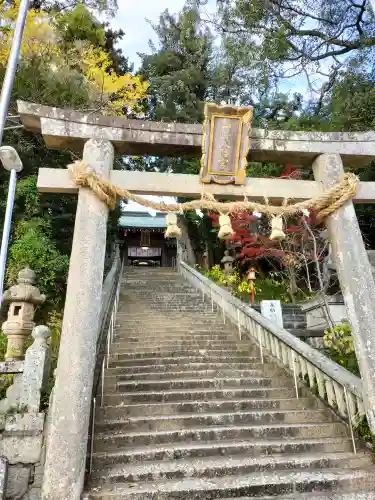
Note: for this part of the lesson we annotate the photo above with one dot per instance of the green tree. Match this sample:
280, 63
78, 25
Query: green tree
178, 68
102, 6
302, 36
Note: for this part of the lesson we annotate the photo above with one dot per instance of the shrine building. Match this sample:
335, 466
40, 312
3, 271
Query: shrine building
143, 241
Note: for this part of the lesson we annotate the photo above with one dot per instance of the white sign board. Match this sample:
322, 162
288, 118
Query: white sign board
144, 252
271, 309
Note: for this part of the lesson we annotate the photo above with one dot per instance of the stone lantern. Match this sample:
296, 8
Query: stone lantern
227, 261
22, 299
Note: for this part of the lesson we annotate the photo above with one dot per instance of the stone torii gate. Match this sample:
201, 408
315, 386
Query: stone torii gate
98, 137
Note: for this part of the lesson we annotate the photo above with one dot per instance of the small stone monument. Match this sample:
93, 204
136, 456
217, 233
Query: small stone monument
271, 309
227, 261
22, 298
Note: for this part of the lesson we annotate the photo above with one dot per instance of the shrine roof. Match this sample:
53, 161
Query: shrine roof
142, 221
67, 129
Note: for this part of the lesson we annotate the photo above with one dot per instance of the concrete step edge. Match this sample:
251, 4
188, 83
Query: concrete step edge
238, 483
194, 465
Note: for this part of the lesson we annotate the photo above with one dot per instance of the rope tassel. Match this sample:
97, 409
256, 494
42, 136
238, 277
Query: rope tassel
226, 229
277, 233
172, 231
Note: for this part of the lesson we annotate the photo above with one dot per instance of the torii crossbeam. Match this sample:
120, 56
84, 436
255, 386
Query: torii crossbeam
99, 137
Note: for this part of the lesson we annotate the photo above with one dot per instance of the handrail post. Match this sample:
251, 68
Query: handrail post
350, 419
260, 344
102, 385
295, 374
92, 432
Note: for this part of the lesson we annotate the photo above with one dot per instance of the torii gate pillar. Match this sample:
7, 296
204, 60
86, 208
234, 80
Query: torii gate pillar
67, 438
354, 272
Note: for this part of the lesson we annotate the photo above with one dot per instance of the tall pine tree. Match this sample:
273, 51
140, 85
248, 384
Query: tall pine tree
178, 67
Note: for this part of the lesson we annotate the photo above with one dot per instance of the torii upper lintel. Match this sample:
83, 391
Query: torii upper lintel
67, 129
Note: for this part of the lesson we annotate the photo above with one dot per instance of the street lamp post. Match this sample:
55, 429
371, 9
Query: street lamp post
12, 64
12, 162
9, 156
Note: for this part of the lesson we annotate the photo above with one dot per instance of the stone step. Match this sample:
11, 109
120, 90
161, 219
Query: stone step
203, 383
228, 449
213, 406
125, 348
188, 306
184, 322
108, 441
168, 322
166, 353
360, 495
174, 395
137, 354
187, 330
183, 344
183, 330
191, 333
200, 336
186, 303
173, 293
221, 466
149, 361
193, 309
174, 297
186, 374
169, 294
170, 422
295, 325
184, 319
266, 368
252, 485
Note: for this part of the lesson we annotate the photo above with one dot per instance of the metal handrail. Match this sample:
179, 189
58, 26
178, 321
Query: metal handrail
107, 324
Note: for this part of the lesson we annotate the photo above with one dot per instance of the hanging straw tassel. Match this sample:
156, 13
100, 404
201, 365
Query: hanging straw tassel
277, 233
173, 231
225, 227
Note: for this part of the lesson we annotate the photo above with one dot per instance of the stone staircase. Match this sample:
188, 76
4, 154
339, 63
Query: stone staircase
189, 412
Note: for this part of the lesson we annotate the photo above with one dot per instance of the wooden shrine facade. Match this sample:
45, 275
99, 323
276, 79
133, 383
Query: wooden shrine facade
141, 236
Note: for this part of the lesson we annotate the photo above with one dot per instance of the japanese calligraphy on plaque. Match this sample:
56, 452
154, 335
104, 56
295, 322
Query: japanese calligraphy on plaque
226, 143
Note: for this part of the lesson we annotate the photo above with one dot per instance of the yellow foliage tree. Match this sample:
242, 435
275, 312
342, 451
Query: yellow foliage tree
111, 93
118, 92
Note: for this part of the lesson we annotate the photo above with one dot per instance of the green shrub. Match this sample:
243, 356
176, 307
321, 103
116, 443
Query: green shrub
217, 275
34, 247
265, 289
339, 346
3, 345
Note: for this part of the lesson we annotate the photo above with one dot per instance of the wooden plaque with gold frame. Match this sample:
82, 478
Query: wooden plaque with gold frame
226, 144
